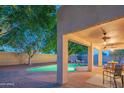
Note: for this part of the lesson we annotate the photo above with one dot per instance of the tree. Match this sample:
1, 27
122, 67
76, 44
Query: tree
117, 54
30, 45
76, 48
50, 42
26, 27
32, 28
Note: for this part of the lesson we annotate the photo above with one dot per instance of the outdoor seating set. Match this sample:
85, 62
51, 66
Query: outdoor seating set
113, 71
77, 61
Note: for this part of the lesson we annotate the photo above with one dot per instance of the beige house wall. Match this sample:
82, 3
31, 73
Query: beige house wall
77, 18
8, 58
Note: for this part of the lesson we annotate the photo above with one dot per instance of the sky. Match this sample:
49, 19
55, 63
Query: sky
58, 6
106, 52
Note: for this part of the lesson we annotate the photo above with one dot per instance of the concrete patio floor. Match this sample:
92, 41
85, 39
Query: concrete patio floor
18, 77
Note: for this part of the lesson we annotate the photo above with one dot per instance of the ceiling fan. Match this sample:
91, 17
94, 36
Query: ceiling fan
105, 38
109, 45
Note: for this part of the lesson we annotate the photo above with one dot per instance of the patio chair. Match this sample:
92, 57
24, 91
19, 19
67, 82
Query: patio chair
113, 74
107, 67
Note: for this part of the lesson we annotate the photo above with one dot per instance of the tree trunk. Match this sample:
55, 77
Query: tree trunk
29, 60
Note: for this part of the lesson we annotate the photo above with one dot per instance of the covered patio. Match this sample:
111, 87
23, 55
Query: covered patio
18, 77
99, 27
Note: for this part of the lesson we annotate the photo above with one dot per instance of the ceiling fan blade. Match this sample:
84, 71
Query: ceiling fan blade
105, 37
104, 32
115, 44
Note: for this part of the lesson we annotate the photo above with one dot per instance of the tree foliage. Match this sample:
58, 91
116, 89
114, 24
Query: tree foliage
31, 29
77, 48
117, 55
27, 26
50, 41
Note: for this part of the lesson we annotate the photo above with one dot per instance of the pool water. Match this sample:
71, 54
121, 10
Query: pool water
48, 68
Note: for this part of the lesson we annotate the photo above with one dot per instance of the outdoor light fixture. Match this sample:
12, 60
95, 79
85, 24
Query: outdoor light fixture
112, 50
105, 43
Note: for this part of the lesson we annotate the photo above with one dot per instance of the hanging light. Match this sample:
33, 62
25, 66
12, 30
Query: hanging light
112, 50
104, 43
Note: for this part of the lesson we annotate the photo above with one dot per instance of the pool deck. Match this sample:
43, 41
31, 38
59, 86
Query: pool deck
18, 77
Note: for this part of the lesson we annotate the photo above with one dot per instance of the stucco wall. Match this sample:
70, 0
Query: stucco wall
14, 59
74, 18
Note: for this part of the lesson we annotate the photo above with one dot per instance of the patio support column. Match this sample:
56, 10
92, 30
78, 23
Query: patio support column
100, 58
62, 59
90, 57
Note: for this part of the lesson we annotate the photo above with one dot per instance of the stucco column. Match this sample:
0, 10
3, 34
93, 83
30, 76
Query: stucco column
62, 59
100, 58
90, 57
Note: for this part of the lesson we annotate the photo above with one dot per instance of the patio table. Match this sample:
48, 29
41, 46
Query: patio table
113, 64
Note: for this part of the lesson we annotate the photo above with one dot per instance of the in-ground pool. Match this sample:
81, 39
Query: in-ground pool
48, 68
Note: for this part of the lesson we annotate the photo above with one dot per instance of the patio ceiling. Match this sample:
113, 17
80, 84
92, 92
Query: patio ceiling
114, 30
